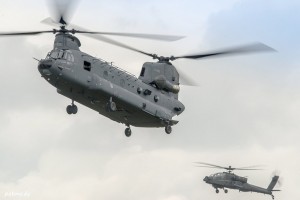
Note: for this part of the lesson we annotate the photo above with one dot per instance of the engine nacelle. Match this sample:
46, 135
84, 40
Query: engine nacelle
239, 178
162, 83
163, 74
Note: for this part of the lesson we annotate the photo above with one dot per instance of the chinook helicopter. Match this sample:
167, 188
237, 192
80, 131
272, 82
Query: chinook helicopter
151, 100
230, 180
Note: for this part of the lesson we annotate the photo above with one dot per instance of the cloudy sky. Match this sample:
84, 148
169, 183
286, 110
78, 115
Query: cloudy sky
245, 111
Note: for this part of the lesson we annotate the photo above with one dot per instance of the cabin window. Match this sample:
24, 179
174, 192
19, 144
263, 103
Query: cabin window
87, 66
105, 74
142, 72
122, 82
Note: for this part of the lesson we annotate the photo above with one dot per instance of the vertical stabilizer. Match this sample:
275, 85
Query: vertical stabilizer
273, 183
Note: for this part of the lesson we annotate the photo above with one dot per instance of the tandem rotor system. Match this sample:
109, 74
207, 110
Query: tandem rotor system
163, 83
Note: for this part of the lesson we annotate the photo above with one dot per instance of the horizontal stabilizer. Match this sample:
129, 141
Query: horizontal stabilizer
173, 122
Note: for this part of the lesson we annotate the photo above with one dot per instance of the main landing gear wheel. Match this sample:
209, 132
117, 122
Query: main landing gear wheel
226, 191
111, 106
168, 129
72, 109
217, 191
128, 132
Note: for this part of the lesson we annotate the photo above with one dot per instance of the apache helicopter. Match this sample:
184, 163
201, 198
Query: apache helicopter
151, 100
230, 180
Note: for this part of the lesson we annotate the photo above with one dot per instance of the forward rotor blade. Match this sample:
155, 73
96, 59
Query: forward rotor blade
116, 43
251, 48
51, 22
25, 33
62, 10
169, 38
139, 35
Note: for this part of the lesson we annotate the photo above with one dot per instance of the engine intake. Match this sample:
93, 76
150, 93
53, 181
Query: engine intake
162, 83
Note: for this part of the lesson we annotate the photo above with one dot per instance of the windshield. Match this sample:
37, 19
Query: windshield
53, 54
66, 55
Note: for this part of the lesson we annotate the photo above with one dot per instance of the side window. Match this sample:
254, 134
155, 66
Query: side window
71, 57
87, 66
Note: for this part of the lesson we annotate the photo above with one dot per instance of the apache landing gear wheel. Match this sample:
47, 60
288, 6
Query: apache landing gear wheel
128, 132
217, 191
69, 109
168, 129
72, 109
226, 191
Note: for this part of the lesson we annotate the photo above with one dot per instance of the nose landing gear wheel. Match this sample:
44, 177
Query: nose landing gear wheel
217, 191
226, 191
128, 132
168, 129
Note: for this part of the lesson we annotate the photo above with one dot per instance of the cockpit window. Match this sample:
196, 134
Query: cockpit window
57, 54
54, 54
62, 55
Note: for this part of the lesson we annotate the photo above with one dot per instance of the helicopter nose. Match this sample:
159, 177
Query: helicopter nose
44, 66
206, 179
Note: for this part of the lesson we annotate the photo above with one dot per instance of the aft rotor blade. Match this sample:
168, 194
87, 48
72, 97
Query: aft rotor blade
185, 79
251, 48
24, 33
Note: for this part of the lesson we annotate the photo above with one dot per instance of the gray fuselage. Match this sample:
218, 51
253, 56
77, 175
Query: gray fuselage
94, 82
232, 181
